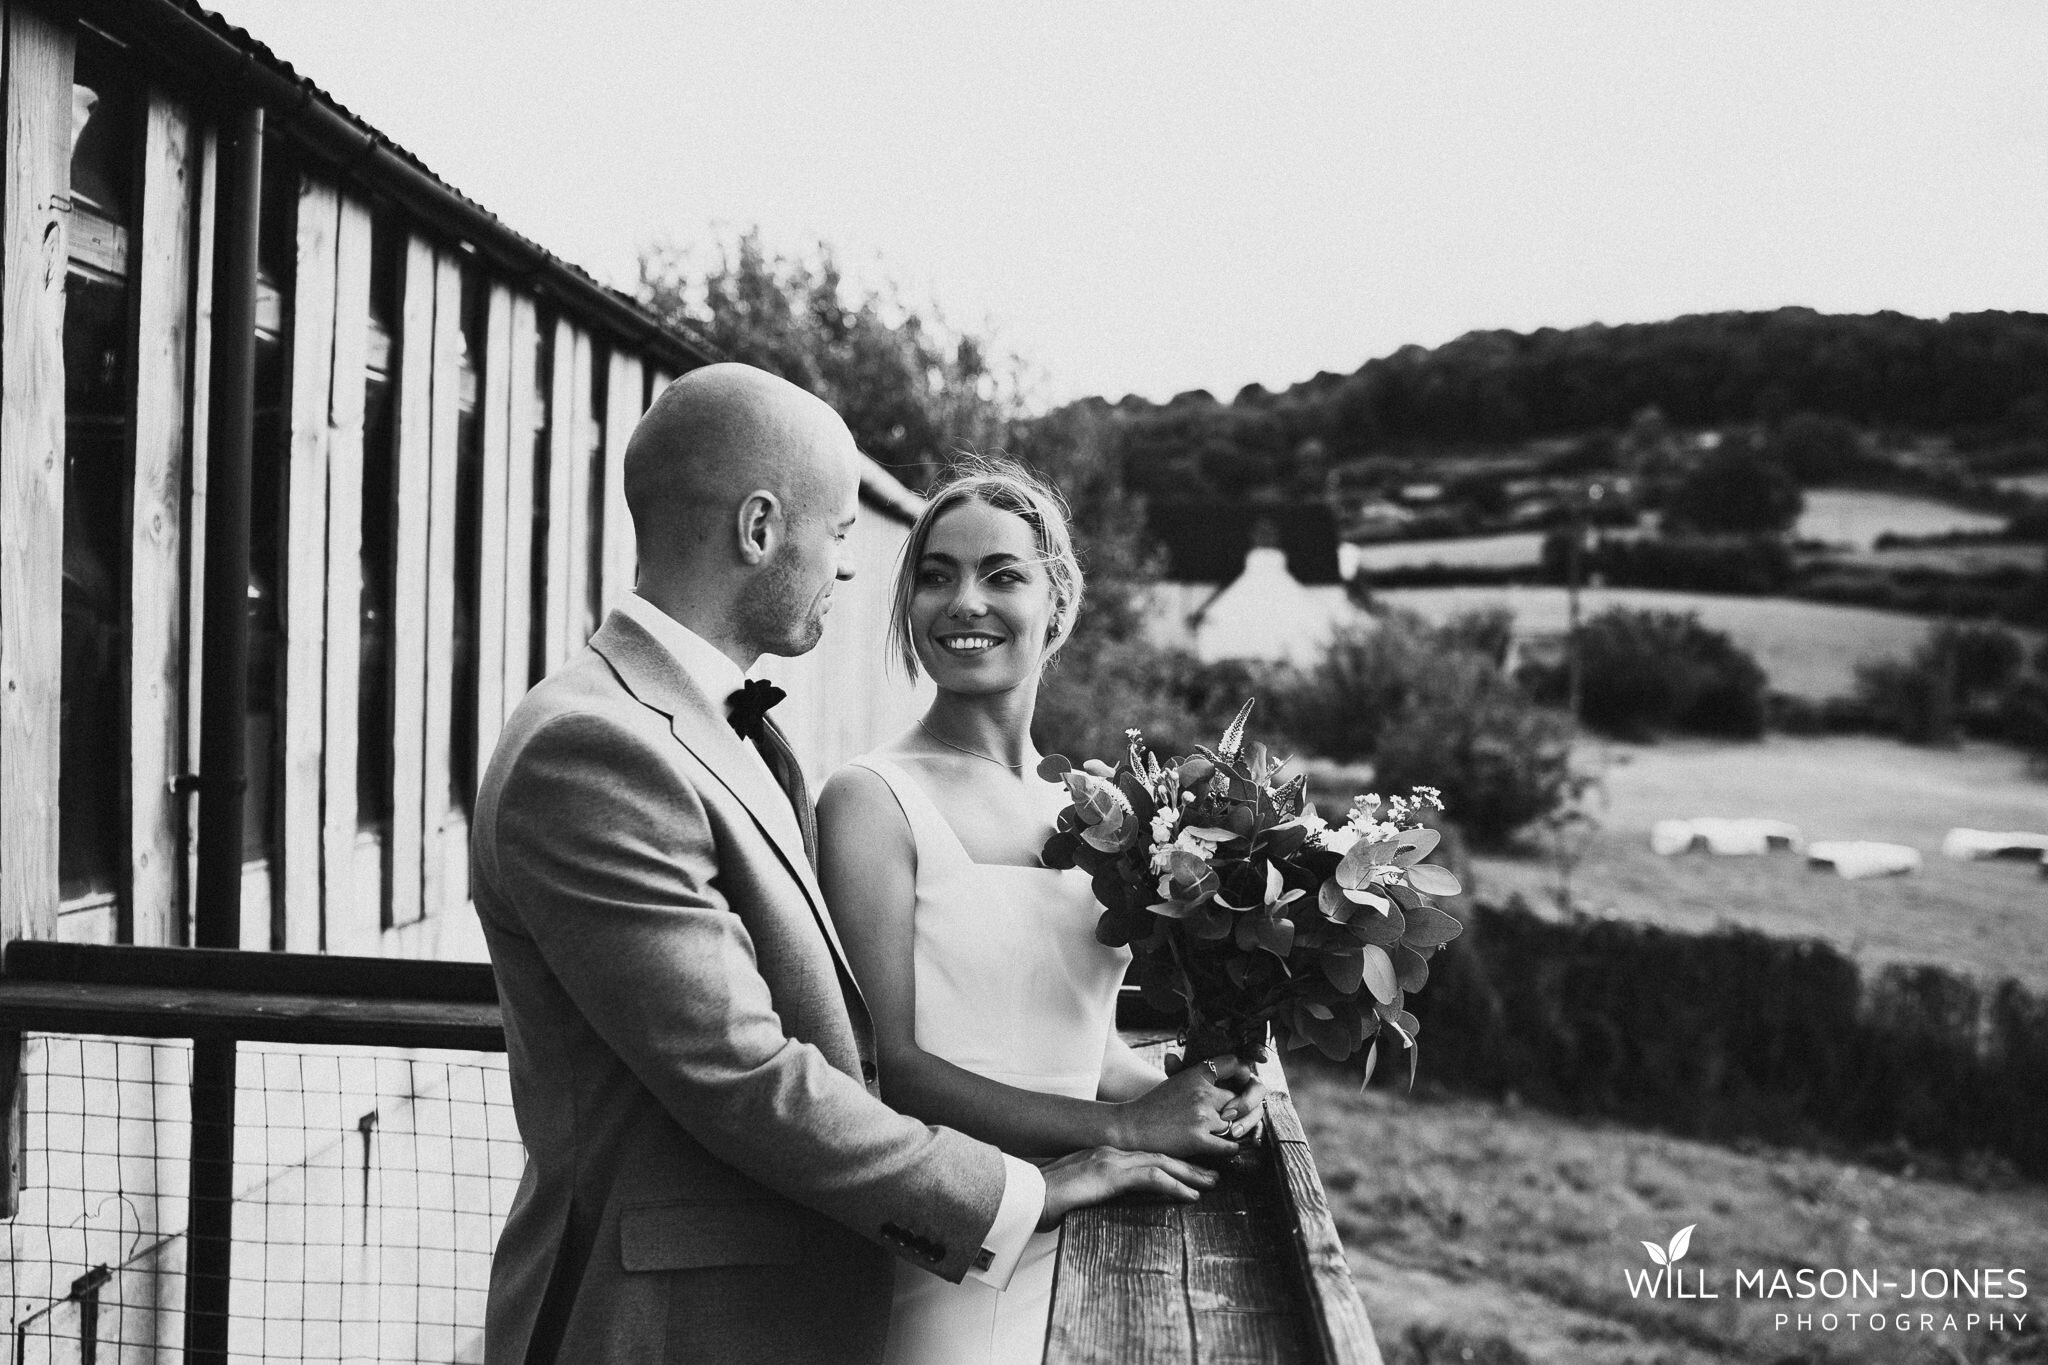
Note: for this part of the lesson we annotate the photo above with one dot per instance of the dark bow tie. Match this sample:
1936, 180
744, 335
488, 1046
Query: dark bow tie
749, 706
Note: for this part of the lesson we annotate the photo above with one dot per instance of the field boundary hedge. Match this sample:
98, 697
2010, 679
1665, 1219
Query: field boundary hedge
1738, 1033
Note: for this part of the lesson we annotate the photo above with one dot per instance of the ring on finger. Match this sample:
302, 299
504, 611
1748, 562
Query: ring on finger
1210, 1067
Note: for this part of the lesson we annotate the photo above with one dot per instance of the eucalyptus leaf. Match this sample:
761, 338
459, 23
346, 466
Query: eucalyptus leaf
1054, 767
1355, 870
1432, 880
1058, 853
1276, 936
1411, 968
1429, 927
1334, 904
1384, 929
1414, 845
1378, 971
1344, 969
1372, 1064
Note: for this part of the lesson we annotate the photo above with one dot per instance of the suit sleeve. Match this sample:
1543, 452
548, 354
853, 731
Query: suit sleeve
610, 861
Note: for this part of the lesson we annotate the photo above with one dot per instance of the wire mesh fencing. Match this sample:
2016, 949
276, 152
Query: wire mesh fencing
368, 1189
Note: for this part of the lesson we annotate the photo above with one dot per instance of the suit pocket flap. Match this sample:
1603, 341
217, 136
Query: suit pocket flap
682, 1235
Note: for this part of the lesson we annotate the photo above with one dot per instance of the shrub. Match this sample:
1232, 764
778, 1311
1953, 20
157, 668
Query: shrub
1735, 491
1432, 707
1962, 675
1759, 565
1817, 449
1643, 672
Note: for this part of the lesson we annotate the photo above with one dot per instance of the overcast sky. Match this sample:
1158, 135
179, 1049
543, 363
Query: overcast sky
1155, 197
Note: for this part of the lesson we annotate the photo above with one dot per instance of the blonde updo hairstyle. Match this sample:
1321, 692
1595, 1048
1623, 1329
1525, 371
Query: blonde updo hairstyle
1001, 483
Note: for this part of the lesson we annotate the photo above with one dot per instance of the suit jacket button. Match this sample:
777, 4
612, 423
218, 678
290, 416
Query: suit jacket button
867, 1071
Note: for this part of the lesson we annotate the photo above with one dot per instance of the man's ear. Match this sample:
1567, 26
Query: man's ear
759, 526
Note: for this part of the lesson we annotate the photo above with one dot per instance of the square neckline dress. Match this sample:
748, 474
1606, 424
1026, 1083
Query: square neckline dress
1012, 985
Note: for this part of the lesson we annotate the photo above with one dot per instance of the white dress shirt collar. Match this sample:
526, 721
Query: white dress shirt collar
715, 675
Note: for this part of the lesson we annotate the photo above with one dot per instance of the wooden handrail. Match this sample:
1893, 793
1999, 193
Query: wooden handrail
1255, 1270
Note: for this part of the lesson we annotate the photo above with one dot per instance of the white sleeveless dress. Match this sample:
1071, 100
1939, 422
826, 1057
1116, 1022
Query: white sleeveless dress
1011, 985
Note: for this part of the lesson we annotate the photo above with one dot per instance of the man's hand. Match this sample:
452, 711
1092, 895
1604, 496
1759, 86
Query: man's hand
1103, 1173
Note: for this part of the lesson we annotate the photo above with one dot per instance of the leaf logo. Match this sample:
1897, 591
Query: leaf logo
1676, 1251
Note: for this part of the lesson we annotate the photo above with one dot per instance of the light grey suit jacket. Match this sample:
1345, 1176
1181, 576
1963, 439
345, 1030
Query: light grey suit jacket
711, 1175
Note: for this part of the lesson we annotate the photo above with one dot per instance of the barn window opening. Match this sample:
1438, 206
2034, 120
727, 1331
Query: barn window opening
469, 510
98, 477
593, 453
377, 674
269, 454
542, 437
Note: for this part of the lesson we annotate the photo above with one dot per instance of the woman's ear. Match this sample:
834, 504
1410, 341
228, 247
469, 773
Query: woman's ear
759, 525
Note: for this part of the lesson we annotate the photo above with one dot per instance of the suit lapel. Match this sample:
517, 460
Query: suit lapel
699, 725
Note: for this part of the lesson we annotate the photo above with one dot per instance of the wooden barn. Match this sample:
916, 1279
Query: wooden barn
311, 469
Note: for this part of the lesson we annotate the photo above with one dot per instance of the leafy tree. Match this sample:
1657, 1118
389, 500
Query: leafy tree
1735, 491
1650, 671
1817, 449
914, 389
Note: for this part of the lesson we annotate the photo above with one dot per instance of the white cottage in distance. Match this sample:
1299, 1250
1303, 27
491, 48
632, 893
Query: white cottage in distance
1251, 583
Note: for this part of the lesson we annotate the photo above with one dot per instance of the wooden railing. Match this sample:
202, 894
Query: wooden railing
1254, 1271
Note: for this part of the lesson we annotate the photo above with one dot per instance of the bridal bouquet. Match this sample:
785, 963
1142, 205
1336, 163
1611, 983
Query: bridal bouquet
1244, 910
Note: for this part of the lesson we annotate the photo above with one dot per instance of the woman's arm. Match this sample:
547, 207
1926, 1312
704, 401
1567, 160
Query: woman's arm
867, 865
1125, 1075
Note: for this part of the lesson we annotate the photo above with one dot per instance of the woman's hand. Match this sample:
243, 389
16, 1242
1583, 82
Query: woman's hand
1100, 1174
1246, 1114
1183, 1115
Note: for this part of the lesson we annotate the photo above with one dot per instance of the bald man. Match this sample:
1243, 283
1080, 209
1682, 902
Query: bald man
711, 1174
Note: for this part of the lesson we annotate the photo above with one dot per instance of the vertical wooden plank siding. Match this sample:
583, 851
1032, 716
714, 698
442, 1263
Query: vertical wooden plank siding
199, 403
522, 400
339, 926
441, 511
494, 420
409, 597
623, 406
583, 420
33, 250
565, 476
156, 658
304, 596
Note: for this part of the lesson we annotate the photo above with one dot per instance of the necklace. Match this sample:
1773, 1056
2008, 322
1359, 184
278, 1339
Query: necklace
971, 753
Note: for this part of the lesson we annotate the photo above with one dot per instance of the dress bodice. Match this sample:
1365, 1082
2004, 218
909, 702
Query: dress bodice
1011, 983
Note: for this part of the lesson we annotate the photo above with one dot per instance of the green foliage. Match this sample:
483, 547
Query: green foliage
1647, 672
1962, 677
1739, 1034
1735, 491
1968, 373
1244, 911
1430, 706
1817, 449
1761, 565
913, 389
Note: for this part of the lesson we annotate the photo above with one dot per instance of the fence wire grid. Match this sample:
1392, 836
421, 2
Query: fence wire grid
369, 1187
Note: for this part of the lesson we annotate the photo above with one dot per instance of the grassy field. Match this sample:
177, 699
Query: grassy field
1509, 551
1486, 1232
1853, 516
1809, 649
1988, 918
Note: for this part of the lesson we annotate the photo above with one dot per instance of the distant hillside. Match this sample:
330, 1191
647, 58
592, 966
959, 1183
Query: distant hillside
1979, 379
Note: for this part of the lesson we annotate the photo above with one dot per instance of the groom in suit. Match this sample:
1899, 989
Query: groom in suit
711, 1173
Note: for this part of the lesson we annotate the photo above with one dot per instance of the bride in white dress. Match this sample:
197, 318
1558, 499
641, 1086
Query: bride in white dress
994, 1006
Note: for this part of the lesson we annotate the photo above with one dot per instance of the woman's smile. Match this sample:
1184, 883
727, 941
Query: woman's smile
969, 644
